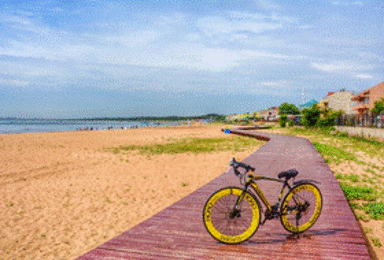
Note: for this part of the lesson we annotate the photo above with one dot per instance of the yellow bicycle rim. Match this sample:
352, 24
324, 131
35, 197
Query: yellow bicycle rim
225, 238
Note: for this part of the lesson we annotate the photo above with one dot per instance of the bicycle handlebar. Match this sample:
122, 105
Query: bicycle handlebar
236, 165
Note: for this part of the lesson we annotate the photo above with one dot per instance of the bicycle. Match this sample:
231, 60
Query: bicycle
232, 215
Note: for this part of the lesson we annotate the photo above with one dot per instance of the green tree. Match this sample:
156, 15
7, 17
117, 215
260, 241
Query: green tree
311, 116
288, 109
378, 107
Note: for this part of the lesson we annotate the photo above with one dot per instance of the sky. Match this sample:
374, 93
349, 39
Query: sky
126, 58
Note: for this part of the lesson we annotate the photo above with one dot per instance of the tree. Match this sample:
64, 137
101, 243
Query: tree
378, 107
288, 109
311, 116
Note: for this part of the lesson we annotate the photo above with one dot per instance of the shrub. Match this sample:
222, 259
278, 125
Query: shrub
329, 118
311, 116
378, 107
283, 120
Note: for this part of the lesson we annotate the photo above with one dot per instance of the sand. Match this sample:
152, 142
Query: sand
64, 193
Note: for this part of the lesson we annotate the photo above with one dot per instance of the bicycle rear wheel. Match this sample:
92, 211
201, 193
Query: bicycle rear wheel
301, 208
227, 225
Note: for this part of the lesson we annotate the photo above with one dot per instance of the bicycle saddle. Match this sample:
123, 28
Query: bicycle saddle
288, 174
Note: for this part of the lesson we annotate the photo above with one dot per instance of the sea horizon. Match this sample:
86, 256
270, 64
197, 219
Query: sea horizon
20, 125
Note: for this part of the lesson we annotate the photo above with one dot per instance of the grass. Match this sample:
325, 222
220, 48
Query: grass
192, 145
351, 177
344, 142
334, 154
375, 241
358, 192
374, 209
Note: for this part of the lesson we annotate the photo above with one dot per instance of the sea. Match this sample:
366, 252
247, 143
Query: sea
16, 125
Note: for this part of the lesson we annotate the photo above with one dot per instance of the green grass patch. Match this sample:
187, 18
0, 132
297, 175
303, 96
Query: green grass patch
333, 154
374, 209
348, 177
359, 192
376, 242
355, 205
345, 142
193, 145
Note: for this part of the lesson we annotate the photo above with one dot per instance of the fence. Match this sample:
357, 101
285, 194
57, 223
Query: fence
365, 120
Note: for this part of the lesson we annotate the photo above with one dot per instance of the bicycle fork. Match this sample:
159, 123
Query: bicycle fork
236, 211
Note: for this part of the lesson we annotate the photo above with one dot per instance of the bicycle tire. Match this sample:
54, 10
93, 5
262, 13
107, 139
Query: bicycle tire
219, 224
290, 208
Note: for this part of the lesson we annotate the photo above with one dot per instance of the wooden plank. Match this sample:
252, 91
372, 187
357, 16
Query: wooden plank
178, 231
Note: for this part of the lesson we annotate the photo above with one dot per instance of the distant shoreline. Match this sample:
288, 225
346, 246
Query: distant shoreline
140, 118
21, 126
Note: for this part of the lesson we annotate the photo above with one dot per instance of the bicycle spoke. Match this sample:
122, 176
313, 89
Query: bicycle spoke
224, 219
300, 208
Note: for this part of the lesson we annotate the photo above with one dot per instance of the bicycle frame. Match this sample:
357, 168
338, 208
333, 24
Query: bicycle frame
272, 211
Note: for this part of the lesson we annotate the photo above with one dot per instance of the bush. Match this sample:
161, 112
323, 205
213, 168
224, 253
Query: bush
291, 123
283, 120
311, 116
378, 107
329, 118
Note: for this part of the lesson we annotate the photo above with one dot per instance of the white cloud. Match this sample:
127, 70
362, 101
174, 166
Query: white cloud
341, 67
14, 82
364, 76
280, 83
349, 68
218, 59
348, 3
241, 22
130, 39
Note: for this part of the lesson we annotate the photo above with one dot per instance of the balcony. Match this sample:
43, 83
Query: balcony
361, 108
361, 96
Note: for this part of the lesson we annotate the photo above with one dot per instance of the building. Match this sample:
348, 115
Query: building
270, 113
339, 100
309, 104
364, 101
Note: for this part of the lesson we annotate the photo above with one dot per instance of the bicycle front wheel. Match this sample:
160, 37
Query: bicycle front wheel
227, 224
301, 208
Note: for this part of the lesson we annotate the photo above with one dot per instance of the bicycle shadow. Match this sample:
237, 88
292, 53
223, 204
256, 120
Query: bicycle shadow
288, 244
295, 238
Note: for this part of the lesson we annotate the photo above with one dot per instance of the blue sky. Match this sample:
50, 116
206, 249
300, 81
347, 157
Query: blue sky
93, 58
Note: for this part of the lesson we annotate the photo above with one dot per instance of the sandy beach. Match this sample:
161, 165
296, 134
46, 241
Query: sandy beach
65, 193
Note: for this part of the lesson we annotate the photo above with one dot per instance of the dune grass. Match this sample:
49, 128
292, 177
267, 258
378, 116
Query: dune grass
192, 145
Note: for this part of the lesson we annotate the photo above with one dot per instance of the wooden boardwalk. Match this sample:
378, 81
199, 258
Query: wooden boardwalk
178, 231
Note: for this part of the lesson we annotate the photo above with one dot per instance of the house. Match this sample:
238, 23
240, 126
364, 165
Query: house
238, 116
365, 100
270, 113
309, 104
339, 100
